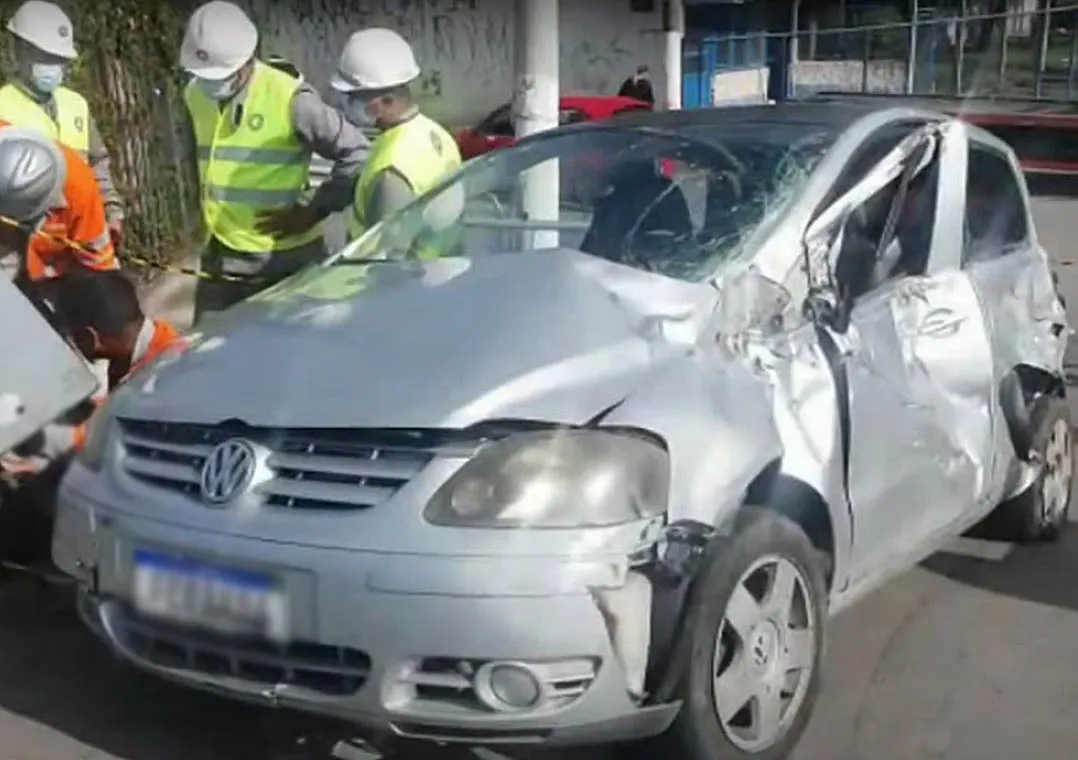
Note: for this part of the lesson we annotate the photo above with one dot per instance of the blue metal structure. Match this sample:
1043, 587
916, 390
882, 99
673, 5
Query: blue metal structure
721, 36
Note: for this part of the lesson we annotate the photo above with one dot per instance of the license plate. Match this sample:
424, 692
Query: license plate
193, 593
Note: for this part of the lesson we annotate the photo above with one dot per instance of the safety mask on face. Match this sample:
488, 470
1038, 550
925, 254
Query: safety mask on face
355, 110
218, 89
46, 77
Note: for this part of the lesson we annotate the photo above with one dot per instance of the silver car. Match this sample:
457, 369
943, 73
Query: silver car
588, 443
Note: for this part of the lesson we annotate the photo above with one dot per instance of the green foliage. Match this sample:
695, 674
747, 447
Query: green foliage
127, 70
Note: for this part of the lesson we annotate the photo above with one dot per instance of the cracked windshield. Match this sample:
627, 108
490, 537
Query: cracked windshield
497, 380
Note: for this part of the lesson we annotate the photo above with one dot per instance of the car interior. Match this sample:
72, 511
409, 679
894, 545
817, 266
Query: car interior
642, 210
866, 261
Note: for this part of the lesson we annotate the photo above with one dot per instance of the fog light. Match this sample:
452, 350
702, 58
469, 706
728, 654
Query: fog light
508, 686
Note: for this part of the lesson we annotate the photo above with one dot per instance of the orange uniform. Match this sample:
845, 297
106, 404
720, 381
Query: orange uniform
157, 336
81, 220
160, 336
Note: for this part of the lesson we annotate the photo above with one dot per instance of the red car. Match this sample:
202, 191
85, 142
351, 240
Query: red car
496, 130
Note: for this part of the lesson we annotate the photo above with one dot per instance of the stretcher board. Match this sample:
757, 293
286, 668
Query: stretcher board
41, 376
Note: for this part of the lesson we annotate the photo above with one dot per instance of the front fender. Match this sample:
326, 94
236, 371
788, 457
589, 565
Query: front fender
716, 420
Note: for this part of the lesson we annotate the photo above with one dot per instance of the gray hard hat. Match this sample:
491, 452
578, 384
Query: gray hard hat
46, 27
220, 38
32, 174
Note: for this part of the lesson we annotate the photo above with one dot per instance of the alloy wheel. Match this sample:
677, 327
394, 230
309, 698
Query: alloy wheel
764, 654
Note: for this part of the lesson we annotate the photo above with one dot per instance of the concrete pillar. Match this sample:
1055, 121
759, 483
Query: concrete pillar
536, 106
673, 36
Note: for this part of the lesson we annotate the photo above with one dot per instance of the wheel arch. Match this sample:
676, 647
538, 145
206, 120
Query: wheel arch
1017, 391
770, 489
800, 503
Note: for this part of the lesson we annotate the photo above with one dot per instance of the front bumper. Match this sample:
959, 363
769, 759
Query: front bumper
379, 639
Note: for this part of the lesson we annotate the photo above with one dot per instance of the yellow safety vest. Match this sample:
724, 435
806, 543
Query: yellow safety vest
423, 152
249, 168
72, 124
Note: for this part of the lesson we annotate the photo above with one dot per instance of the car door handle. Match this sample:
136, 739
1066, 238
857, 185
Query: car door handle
941, 323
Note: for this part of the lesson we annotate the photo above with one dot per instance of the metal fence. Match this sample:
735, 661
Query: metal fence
1019, 53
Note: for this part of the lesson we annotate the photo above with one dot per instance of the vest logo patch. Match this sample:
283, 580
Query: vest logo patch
80, 124
255, 122
436, 141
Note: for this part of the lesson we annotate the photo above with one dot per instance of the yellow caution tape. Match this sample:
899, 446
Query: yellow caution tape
134, 259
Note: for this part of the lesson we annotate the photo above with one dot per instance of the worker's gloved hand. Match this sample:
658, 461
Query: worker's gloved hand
116, 232
18, 467
289, 220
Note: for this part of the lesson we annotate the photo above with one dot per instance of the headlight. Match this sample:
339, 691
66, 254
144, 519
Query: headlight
98, 431
556, 479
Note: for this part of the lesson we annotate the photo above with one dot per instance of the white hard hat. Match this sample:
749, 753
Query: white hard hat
46, 27
375, 59
220, 38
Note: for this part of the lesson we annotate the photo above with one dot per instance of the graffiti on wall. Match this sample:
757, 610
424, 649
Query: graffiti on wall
465, 47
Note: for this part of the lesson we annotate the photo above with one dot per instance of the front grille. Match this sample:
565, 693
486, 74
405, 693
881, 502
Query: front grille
310, 469
334, 671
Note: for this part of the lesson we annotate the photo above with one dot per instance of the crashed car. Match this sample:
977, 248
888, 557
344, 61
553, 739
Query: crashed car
512, 471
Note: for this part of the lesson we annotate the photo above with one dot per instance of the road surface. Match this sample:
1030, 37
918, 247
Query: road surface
969, 657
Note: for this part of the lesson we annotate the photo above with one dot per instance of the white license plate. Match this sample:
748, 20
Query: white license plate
193, 593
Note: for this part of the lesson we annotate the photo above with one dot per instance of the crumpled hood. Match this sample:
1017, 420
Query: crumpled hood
551, 335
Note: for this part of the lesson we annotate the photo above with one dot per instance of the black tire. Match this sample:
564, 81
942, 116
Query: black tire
1024, 518
698, 733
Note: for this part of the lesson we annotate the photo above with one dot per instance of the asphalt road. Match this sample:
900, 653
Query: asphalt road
969, 657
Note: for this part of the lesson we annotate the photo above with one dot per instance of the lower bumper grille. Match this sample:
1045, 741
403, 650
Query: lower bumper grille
333, 671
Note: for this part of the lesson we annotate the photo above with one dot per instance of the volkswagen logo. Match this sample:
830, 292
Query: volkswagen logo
228, 471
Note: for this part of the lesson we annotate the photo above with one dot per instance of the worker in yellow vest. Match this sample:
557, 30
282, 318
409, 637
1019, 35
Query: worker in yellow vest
256, 128
36, 98
413, 152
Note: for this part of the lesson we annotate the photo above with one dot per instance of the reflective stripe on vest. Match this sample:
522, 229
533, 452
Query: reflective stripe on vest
72, 124
420, 149
249, 168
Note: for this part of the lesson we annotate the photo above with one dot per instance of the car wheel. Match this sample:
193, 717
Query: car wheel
1040, 512
755, 632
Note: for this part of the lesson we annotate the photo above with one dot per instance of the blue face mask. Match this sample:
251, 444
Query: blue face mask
46, 77
218, 89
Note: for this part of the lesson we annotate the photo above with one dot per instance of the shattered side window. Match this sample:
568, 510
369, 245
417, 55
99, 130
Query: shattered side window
888, 236
870, 153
